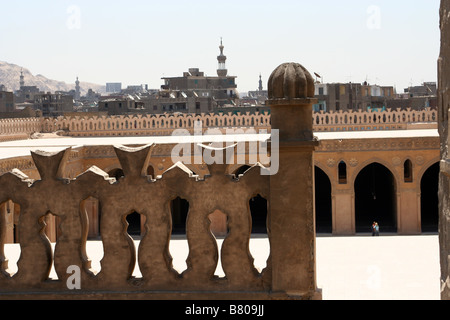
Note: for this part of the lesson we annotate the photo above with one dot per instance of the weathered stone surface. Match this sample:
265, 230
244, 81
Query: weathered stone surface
444, 109
134, 192
290, 81
291, 89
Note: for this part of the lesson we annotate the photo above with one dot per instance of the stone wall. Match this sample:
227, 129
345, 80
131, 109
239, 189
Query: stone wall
444, 109
165, 124
290, 271
19, 129
119, 198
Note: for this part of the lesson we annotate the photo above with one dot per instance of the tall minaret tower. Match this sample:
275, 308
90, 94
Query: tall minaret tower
260, 84
222, 71
77, 90
22, 79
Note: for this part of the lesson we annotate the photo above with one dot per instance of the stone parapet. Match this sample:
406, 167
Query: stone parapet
166, 124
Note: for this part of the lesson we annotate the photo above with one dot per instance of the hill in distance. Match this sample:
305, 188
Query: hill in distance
10, 78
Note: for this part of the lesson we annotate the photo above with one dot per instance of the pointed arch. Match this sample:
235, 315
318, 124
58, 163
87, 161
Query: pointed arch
323, 201
375, 190
429, 200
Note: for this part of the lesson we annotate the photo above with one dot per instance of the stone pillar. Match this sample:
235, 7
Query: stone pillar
292, 218
343, 212
409, 210
7, 209
444, 184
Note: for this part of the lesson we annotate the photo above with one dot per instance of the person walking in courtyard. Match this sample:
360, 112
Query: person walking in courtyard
375, 229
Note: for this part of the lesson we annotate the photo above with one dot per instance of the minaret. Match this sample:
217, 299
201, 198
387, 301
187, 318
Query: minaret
222, 71
22, 81
260, 84
77, 90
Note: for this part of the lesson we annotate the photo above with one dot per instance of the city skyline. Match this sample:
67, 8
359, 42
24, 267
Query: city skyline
138, 42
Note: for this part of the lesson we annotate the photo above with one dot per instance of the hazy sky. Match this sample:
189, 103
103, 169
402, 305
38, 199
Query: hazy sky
392, 42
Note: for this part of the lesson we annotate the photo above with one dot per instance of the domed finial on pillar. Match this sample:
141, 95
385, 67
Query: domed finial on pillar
291, 96
290, 81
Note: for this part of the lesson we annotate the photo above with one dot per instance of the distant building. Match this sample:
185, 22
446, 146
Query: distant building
113, 87
351, 96
6, 101
416, 97
258, 97
356, 96
91, 95
221, 89
133, 89
121, 106
426, 89
53, 104
25, 93
194, 92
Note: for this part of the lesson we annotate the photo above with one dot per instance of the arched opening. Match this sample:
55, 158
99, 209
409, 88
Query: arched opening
342, 172
375, 199
219, 228
135, 224
429, 199
258, 210
218, 224
324, 223
408, 171
151, 171
179, 209
116, 173
93, 250
259, 236
50, 223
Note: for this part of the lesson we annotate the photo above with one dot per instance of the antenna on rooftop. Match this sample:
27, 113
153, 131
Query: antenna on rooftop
318, 76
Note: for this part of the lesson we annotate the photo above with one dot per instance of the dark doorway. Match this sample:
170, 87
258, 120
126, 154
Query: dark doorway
179, 209
258, 210
429, 199
324, 221
375, 199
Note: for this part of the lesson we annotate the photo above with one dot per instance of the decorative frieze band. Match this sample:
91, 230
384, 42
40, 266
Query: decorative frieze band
384, 144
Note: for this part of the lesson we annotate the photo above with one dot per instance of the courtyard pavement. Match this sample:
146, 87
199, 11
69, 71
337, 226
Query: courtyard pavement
388, 267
